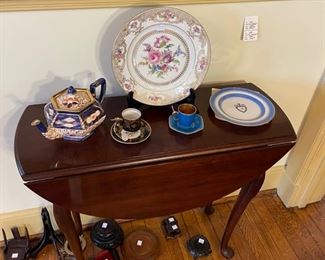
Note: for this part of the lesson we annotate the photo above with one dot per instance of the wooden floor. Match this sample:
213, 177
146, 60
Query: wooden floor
267, 230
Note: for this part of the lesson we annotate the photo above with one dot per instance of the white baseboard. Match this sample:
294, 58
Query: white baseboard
31, 218
303, 181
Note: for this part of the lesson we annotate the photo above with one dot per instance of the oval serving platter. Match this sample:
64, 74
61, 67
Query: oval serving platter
160, 55
242, 106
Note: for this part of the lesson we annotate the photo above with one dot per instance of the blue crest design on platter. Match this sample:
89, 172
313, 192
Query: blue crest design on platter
241, 106
196, 126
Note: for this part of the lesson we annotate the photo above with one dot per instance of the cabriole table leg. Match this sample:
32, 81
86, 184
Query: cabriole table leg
66, 224
246, 194
77, 222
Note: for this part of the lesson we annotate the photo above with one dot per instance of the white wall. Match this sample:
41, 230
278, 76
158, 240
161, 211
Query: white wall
43, 52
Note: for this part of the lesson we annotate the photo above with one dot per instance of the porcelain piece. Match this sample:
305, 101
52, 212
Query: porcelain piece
126, 137
196, 126
185, 114
131, 119
242, 106
160, 55
73, 113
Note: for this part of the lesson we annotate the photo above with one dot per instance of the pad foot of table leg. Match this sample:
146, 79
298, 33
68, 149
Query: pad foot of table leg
209, 210
246, 194
227, 252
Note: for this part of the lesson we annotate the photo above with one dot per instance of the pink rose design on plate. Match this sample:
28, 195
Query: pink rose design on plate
154, 57
167, 15
168, 57
161, 41
164, 68
163, 56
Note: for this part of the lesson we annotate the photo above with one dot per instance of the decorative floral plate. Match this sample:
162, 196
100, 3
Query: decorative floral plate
242, 106
160, 55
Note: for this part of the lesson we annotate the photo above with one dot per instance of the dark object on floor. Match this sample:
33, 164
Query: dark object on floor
198, 246
49, 235
104, 255
170, 227
18, 247
141, 244
107, 234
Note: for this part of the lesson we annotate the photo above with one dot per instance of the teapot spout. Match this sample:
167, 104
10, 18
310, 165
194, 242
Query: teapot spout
40, 126
48, 132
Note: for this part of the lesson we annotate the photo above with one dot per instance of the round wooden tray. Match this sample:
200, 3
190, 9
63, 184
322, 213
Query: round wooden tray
141, 244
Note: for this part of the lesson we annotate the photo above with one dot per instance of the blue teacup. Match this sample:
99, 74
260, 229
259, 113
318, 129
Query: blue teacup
185, 115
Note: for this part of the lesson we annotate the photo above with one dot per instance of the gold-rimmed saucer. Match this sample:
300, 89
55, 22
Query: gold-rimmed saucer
122, 136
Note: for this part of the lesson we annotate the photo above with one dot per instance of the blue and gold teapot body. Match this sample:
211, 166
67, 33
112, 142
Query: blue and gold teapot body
73, 113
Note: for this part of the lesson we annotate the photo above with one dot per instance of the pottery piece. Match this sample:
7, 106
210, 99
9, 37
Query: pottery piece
160, 55
73, 113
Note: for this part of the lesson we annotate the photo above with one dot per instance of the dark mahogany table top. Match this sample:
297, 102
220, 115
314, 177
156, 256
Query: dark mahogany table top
39, 159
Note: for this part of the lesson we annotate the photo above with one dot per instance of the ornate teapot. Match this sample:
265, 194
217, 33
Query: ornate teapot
73, 113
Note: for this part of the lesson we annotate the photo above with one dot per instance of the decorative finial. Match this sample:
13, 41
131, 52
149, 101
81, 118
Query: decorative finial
71, 90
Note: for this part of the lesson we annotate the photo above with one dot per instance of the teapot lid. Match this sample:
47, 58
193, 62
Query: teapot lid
72, 100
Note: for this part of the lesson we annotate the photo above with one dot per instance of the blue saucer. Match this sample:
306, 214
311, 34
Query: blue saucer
197, 125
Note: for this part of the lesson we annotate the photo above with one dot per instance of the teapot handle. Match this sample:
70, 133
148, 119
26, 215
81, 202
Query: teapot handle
99, 82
